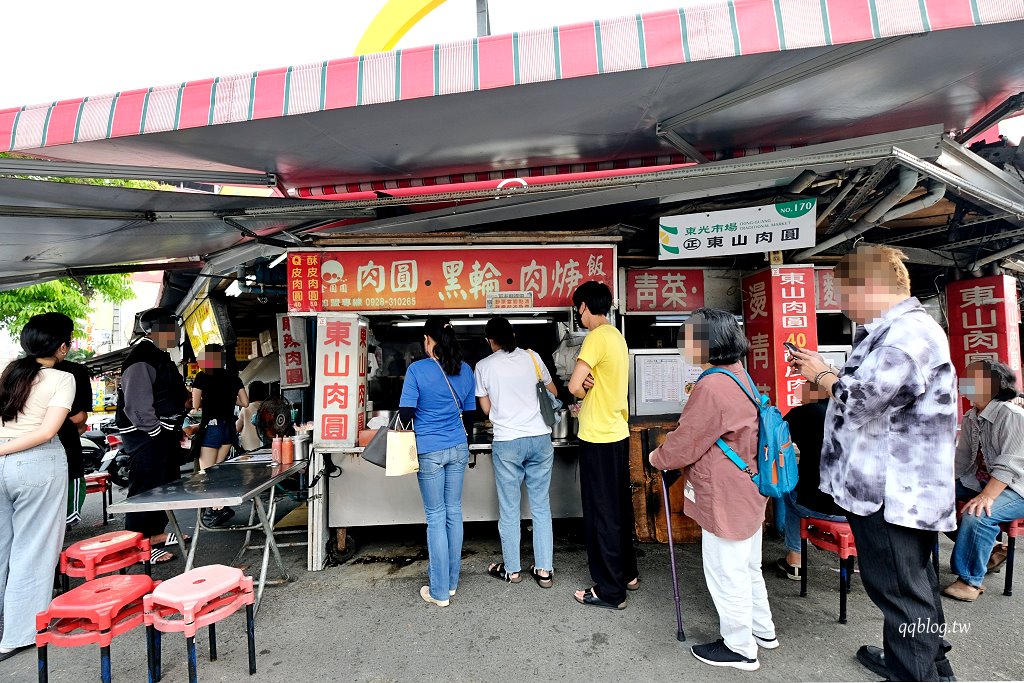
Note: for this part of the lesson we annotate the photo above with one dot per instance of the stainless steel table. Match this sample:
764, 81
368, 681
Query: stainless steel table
225, 485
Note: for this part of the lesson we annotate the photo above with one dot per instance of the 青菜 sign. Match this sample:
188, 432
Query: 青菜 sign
775, 227
441, 278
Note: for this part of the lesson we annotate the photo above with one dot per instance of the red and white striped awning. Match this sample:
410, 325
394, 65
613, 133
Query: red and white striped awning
579, 94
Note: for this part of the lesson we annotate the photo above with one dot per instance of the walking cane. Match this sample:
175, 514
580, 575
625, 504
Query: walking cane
668, 477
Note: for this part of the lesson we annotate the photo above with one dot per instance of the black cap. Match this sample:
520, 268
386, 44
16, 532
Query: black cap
150, 319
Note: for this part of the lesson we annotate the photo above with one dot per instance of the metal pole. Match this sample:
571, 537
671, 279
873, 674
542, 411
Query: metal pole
483, 19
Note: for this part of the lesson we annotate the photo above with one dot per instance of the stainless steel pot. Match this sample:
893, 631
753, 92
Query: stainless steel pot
388, 414
563, 428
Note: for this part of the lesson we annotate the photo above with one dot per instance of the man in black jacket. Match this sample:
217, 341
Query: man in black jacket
150, 410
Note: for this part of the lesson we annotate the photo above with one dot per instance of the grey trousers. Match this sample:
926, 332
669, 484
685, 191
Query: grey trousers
33, 507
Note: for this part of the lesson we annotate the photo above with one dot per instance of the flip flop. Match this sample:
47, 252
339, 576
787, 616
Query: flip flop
498, 572
172, 540
161, 556
591, 600
633, 585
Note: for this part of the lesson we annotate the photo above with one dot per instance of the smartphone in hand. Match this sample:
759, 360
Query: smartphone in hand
791, 347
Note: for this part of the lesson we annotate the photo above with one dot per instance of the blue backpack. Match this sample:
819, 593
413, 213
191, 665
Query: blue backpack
776, 460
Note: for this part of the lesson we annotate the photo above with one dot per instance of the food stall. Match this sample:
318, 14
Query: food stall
361, 311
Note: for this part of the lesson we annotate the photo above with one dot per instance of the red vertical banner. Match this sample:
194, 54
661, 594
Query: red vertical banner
293, 355
779, 306
339, 406
984, 321
304, 291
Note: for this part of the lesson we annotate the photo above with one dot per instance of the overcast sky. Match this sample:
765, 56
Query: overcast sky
68, 48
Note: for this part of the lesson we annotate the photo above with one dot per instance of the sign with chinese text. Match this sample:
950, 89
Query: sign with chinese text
779, 307
775, 227
984, 320
664, 290
339, 399
826, 298
200, 323
293, 354
504, 300
424, 279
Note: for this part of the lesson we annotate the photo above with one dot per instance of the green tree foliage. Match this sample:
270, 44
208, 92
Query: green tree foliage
72, 297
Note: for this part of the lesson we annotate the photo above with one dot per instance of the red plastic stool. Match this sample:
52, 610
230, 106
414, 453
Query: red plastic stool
104, 554
99, 482
834, 537
95, 612
201, 597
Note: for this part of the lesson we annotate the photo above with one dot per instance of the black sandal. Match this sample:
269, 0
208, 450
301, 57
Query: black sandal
542, 581
593, 601
161, 556
498, 572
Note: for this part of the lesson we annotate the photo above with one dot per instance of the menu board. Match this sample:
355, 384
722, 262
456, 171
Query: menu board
660, 382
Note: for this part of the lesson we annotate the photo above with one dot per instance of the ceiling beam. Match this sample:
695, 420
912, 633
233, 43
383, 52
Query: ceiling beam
70, 169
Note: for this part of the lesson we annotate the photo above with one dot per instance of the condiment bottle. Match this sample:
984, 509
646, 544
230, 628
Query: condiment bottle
287, 452
276, 447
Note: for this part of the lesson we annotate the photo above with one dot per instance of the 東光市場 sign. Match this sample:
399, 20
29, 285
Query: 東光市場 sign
775, 227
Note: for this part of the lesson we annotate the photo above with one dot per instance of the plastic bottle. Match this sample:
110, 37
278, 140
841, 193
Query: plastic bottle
287, 452
276, 446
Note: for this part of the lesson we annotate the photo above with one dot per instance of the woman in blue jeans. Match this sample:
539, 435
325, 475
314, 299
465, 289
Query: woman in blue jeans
990, 474
438, 397
506, 384
35, 399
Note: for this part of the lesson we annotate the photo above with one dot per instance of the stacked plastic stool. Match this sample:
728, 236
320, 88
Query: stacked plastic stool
834, 537
104, 554
95, 613
99, 482
201, 598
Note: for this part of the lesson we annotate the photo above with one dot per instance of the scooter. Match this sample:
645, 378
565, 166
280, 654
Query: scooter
116, 461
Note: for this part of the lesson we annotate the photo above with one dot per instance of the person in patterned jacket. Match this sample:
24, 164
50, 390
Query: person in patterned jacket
887, 456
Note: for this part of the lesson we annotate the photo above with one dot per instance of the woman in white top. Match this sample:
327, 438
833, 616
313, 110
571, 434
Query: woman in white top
35, 399
506, 385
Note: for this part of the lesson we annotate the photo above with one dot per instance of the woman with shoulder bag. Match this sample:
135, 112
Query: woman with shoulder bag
35, 399
506, 385
438, 398
720, 497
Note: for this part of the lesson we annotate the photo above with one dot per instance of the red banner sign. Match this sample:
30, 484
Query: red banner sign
664, 290
441, 278
340, 396
293, 354
826, 297
984, 321
779, 308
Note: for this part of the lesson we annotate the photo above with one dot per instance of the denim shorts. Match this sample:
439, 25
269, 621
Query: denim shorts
220, 434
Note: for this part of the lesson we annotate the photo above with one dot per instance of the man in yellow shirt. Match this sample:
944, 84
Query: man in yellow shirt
601, 379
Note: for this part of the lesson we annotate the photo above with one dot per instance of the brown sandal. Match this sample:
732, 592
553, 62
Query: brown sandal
542, 581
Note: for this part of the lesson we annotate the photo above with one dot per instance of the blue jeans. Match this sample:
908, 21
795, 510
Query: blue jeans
794, 512
529, 458
440, 478
33, 512
976, 535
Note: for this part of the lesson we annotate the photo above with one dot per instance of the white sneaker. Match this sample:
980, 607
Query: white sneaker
425, 594
766, 643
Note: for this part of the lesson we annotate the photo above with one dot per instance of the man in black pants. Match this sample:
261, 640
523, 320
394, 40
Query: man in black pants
888, 453
150, 410
601, 379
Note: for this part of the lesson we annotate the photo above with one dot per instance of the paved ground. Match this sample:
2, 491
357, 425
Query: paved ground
364, 621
